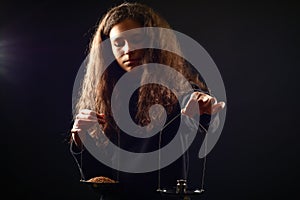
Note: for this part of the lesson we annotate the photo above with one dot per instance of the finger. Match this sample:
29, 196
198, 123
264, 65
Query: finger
185, 112
86, 121
100, 115
76, 131
85, 111
86, 116
91, 113
195, 95
191, 108
88, 112
217, 107
213, 100
90, 118
203, 98
77, 136
90, 121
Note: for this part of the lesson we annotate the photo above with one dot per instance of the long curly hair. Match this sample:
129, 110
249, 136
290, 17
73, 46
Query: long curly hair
98, 82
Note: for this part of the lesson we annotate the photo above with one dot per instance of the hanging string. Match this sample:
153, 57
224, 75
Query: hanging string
204, 159
159, 148
186, 170
187, 159
159, 159
79, 165
118, 158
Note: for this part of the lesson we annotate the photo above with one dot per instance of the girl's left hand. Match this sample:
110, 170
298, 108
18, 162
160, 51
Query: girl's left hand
206, 104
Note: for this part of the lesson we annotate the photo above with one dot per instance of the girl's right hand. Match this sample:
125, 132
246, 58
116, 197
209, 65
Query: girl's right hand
84, 120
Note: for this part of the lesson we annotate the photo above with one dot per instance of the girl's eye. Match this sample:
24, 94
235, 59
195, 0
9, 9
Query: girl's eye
137, 39
119, 43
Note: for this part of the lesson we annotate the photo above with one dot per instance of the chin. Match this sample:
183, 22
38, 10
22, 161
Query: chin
130, 67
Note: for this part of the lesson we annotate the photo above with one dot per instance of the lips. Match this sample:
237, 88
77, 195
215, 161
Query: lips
131, 61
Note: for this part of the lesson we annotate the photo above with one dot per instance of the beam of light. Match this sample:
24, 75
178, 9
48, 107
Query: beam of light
3, 58
6, 58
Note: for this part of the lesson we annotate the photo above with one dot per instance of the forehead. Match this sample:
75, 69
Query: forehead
125, 25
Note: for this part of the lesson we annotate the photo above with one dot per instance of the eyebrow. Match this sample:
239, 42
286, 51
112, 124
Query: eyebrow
122, 36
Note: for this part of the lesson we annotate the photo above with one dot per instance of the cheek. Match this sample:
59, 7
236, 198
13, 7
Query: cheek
116, 52
117, 55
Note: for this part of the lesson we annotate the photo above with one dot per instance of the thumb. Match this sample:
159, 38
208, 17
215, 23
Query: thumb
217, 107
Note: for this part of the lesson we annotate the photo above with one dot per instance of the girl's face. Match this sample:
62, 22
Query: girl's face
124, 45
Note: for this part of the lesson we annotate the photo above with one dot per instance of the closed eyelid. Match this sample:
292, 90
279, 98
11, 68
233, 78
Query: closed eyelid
118, 42
129, 37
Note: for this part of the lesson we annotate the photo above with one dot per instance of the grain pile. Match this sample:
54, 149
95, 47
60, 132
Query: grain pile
101, 179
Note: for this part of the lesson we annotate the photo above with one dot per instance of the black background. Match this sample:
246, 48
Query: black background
254, 45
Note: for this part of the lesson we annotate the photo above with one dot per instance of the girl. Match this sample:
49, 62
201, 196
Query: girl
122, 26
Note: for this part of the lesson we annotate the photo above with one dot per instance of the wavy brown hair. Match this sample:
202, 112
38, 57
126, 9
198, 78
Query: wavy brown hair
96, 90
